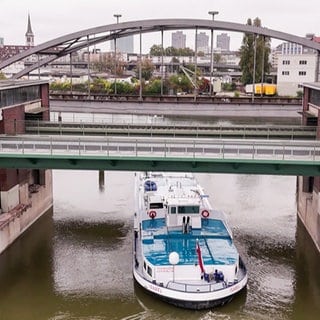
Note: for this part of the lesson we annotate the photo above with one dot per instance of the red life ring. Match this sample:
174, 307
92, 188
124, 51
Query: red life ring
205, 213
152, 214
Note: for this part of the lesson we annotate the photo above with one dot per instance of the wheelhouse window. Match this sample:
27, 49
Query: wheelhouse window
156, 205
173, 210
188, 209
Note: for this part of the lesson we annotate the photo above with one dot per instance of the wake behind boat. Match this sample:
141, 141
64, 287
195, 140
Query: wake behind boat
183, 249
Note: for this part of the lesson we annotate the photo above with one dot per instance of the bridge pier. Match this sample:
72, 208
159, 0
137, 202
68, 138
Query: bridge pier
308, 188
308, 205
22, 203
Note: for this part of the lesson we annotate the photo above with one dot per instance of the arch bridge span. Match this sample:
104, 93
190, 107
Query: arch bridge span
64, 45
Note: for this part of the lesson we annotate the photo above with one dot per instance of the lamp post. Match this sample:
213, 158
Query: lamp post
213, 13
117, 16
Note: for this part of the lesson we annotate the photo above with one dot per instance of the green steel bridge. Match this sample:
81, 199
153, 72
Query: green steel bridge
245, 156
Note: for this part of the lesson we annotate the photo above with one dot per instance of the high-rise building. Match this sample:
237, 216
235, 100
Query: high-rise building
29, 34
203, 42
178, 40
223, 42
124, 45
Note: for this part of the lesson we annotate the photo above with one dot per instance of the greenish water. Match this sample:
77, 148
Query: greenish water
75, 262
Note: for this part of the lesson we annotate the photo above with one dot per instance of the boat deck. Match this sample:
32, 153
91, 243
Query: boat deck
216, 245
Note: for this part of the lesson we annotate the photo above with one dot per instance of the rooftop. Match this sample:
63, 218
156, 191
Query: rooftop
12, 84
312, 85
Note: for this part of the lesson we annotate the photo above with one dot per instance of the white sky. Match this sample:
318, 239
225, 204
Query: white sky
51, 19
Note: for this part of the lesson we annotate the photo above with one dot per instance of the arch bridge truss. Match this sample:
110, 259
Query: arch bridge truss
67, 44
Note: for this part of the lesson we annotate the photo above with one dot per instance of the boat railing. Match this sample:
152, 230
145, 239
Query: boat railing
208, 287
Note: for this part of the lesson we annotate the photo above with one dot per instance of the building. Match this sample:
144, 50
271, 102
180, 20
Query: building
296, 65
308, 195
178, 40
25, 194
293, 70
124, 45
202, 42
223, 42
29, 34
8, 51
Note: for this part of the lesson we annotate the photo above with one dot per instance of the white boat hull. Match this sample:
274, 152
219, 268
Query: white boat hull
191, 300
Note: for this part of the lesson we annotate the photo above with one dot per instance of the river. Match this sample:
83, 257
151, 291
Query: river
75, 262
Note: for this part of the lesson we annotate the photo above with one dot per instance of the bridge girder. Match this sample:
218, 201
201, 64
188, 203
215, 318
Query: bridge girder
234, 166
73, 42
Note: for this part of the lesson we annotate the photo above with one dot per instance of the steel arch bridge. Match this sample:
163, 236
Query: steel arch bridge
67, 44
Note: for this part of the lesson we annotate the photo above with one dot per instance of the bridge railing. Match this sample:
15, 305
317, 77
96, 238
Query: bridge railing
81, 96
170, 130
126, 147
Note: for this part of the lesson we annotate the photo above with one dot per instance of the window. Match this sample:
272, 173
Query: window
286, 62
13, 96
303, 62
285, 73
188, 209
173, 210
302, 73
156, 205
149, 271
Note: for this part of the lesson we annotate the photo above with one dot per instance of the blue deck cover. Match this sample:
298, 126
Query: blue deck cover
215, 243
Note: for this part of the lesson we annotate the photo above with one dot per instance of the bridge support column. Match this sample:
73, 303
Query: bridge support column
25, 195
101, 180
308, 205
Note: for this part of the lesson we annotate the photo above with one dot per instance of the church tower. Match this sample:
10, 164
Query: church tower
29, 34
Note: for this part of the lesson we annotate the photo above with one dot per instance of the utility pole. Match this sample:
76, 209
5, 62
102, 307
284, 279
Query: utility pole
117, 16
213, 13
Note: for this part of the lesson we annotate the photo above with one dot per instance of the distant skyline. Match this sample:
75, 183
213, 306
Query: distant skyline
51, 19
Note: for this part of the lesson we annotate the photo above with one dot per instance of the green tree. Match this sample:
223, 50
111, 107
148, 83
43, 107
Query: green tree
147, 68
156, 50
153, 87
262, 44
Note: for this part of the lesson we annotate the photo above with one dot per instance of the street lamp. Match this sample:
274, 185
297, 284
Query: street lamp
213, 13
117, 16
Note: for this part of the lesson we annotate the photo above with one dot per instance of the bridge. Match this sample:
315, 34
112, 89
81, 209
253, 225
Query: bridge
65, 45
161, 154
101, 128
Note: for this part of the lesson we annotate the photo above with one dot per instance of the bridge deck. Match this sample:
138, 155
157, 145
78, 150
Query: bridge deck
161, 154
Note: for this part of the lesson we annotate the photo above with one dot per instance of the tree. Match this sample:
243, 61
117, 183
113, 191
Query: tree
147, 68
156, 50
108, 63
262, 64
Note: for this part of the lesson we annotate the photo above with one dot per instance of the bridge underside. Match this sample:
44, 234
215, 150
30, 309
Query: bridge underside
247, 166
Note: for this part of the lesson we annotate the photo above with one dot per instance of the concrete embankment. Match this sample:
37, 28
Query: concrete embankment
33, 202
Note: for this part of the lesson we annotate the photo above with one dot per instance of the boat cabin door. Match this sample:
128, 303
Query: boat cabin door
172, 216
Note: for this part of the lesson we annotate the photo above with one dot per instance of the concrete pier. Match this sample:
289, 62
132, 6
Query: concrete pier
308, 205
21, 206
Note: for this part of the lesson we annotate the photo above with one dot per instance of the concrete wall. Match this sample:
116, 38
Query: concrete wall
308, 204
31, 207
9, 199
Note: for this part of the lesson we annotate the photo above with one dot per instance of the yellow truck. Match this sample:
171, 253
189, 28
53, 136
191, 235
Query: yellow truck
267, 89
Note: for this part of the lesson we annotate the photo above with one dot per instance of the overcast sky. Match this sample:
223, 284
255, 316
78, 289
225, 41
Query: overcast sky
54, 18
